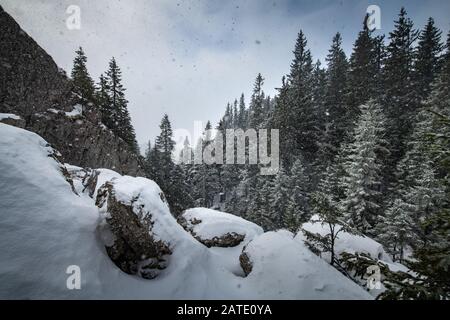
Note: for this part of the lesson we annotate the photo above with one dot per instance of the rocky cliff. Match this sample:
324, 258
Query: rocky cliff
34, 88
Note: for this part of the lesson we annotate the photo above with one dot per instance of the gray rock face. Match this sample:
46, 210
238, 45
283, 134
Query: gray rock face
245, 262
133, 248
33, 87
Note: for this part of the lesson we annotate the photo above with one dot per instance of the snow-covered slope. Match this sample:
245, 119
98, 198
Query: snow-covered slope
45, 227
347, 242
286, 264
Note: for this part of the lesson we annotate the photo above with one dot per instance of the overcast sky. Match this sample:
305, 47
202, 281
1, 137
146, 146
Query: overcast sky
189, 58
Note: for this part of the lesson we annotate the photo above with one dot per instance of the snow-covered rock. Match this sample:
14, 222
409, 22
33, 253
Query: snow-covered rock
294, 270
137, 225
346, 242
12, 119
218, 229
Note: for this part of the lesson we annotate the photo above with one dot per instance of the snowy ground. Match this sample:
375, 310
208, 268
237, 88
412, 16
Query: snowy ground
351, 243
45, 227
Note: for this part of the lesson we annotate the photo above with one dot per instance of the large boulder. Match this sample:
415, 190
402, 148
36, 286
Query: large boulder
218, 229
130, 206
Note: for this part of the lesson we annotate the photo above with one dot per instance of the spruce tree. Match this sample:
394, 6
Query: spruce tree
364, 70
82, 81
165, 145
295, 114
280, 195
298, 202
256, 112
206, 177
235, 114
336, 92
119, 117
427, 58
430, 276
242, 118
401, 100
104, 102
363, 166
396, 229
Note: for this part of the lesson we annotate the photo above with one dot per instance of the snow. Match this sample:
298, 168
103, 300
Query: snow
45, 227
291, 268
9, 116
216, 224
347, 242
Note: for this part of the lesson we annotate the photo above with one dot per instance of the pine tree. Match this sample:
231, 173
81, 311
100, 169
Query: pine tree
430, 277
228, 118
235, 114
395, 229
148, 159
256, 112
336, 92
427, 58
325, 149
242, 118
319, 78
104, 102
432, 258
119, 117
295, 114
280, 195
82, 81
179, 196
239, 201
401, 99
165, 145
364, 74
363, 201
298, 202
292, 217
173, 179
258, 210
206, 177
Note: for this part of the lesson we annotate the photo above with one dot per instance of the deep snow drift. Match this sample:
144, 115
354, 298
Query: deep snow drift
45, 227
